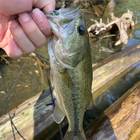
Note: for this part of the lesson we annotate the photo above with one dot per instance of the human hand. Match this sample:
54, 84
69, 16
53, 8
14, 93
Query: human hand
23, 26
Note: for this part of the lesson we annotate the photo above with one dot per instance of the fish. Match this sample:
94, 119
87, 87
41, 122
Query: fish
70, 69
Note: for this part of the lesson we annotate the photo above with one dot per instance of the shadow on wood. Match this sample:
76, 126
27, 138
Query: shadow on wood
121, 121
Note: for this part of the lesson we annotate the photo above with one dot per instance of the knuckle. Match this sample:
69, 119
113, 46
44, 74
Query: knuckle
32, 30
17, 33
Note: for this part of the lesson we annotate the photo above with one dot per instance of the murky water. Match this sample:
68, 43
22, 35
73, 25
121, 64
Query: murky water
29, 82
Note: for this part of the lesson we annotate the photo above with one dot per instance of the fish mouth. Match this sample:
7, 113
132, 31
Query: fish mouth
62, 23
63, 18
70, 10
66, 11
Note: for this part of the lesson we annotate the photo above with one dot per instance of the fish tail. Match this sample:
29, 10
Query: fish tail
71, 136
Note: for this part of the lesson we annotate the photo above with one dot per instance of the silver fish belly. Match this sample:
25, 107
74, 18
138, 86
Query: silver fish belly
71, 69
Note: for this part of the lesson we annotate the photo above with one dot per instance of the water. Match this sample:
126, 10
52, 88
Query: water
104, 48
29, 82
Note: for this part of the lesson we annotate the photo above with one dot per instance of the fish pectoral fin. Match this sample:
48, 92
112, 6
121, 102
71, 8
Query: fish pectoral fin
66, 79
90, 105
58, 115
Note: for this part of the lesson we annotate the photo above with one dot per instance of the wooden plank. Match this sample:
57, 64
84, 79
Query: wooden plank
121, 121
33, 118
27, 117
114, 65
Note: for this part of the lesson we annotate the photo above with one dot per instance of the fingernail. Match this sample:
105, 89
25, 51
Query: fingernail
13, 24
24, 17
37, 15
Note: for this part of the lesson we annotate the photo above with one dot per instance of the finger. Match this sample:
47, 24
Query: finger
42, 22
6, 38
47, 5
13, 50
20, 37
32, 30
12, 7
50, 7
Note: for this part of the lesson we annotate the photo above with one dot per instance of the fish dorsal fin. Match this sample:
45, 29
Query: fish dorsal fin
58, 115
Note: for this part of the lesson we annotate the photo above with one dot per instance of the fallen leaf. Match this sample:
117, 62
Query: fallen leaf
26, 85
36, 71
18, 85
35, 63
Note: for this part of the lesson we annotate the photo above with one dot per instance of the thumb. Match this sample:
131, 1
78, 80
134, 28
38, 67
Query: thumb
46, 5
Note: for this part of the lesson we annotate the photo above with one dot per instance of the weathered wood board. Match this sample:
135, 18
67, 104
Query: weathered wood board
121, 121
113, 66
27, 118
33, 118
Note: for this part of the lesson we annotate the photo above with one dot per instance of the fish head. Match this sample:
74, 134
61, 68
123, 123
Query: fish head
70, 35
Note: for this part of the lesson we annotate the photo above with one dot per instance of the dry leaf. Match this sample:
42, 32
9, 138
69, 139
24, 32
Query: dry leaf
36, 71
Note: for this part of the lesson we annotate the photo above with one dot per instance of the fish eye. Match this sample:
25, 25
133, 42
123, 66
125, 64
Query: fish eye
81, 29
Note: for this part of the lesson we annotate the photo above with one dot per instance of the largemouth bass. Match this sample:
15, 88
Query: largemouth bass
71, 69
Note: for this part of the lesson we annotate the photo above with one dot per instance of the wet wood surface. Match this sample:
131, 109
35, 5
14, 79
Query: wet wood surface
30, 118
33, 118
113, 66
121, 121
